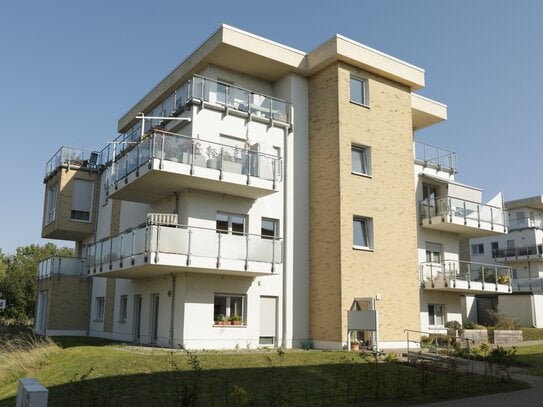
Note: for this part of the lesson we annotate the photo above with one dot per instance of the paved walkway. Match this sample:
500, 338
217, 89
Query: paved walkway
525, 398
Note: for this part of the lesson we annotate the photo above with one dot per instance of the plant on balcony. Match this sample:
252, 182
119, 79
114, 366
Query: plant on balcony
355, 344
222, 320
212, 155
235, 320
504, 279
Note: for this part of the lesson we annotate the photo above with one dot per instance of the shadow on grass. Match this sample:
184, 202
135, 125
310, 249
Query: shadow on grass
74, 341
343, 384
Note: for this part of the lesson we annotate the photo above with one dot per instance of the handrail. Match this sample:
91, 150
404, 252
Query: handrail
438, 198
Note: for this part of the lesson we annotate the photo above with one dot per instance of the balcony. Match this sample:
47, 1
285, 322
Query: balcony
467, 277
519, 253
165, 162
435, 157
528, 284
61, 266
525, 223
72, 158
473, 219
155, 249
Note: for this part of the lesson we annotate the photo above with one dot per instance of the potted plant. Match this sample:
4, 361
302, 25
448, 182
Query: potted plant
235, 320
231, 160
504, 279
355, 345
222, 320
212, 155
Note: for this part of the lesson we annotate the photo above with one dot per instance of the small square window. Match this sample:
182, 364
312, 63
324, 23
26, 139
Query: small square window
477, 249
362, 233
360, 157
359, 91
229, 307
269, 228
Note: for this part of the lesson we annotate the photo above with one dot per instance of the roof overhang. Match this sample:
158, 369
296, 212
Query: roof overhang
426, 112
535, 202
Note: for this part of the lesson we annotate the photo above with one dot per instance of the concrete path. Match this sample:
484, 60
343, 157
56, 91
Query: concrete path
525, 398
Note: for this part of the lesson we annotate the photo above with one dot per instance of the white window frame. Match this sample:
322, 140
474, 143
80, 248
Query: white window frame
364, 93
99, 308
434, 252
228, 311
123, 308
52, 199
89, 184
275, 223
364, 163
366, 225
229, 216
432, 316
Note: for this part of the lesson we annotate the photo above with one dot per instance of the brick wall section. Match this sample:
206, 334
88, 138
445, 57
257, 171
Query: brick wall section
324, 205
62, 227
110, 305
68, 303
388, 197
115, 224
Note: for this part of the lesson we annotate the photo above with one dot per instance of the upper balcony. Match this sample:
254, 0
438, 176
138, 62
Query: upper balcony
519, 253
525, 223
159, 248
467, 277
72, 158
473, 219
61, 266
164, 162
435, 157
528, 284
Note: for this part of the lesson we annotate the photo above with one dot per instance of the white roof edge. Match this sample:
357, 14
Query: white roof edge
428, 99
358, 44
258, 37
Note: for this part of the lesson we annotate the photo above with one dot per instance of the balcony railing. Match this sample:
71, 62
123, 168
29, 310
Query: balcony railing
70, 157
450, 207
524, 223
449, 272
58, 265
519, 251
528, 284
192, 242
437, 157
172, 147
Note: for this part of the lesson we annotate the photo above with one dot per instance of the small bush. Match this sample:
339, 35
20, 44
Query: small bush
307, 344
453, 325
503, 321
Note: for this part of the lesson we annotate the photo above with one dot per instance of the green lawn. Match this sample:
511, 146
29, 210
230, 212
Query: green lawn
532, 334
95, 372
530, 357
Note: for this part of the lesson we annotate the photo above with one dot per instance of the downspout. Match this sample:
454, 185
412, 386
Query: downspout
91, 283
286, 238
172, 312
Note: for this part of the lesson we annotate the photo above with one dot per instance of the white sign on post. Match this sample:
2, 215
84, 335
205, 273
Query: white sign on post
2, 304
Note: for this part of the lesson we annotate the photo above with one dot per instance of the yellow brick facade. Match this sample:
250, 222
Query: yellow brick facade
68, 304
338, 272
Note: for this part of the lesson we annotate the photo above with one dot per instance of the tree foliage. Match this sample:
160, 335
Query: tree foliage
18, 278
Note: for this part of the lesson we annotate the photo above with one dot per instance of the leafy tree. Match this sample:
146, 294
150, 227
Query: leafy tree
18, 278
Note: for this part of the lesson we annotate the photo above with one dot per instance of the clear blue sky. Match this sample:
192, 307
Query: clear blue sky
69, 69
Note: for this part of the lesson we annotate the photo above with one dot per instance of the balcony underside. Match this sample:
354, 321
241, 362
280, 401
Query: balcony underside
519, 259
466, 227
150, 185
467, 287
157, 264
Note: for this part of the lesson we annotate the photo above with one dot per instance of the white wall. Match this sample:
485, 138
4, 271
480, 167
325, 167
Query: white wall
452, 309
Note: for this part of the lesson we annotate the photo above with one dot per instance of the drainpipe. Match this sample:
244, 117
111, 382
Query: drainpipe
172, 312
286, 224
91, 283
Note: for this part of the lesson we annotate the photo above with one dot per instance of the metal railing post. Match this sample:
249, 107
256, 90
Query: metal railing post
189, 245
162, 151
246, 251
219, 249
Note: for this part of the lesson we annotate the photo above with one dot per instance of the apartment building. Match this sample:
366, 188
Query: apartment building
260, 196
522, 250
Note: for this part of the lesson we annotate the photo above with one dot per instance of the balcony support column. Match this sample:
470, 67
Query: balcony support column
189, 248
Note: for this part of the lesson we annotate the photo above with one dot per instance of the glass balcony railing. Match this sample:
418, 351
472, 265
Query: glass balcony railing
183, 240
72, 157
433, 156
519, 251
528, 284
58, 265
450, 207
524, 223
195, 152
450, 271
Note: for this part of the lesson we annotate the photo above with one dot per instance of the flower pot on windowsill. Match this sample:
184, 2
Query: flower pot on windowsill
236, 323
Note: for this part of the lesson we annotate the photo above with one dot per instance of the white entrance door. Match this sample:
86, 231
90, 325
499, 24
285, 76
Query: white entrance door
268, 321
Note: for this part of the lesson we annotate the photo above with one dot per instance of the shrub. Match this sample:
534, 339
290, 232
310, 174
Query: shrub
502, 321
453, 325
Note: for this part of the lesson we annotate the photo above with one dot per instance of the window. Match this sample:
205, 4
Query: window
494, 249
359, 91
477, 249
435, 314
269, 228
433, 252
51, 210
123, 308
229, 305
360, 157
362, 233
230, 223
99, 310
81, 200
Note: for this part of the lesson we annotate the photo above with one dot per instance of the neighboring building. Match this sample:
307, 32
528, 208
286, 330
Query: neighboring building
521, 249
272, 186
